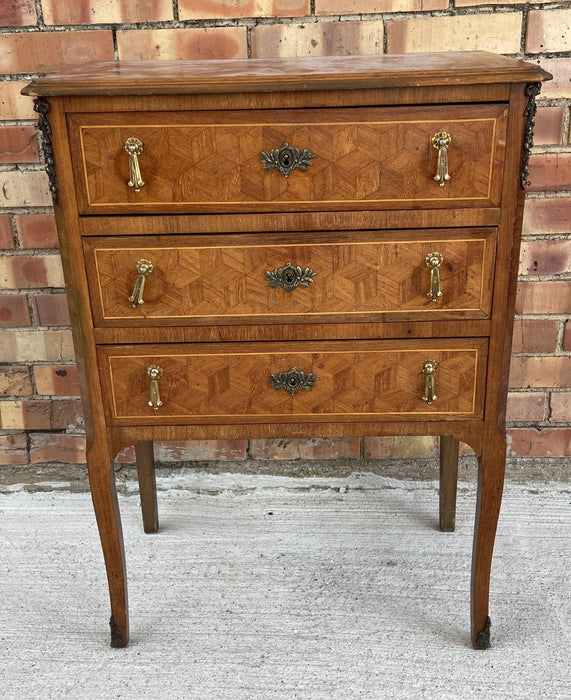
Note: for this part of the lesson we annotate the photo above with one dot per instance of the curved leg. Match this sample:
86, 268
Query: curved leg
491, 469
147, 485
104, 497
449, 448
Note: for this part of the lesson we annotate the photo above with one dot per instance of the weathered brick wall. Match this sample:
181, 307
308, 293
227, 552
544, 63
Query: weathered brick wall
40, 414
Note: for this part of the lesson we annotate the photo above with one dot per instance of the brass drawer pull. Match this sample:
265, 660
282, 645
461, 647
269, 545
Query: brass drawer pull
144, 268
441, 141
293, 381
286, 159
434, 261
290, 277
429, 367
155, 373
134, 148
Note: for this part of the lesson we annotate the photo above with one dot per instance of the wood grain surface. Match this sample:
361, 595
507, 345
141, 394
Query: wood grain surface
381, 275
287, 74
210, 161
206, 384
363, 216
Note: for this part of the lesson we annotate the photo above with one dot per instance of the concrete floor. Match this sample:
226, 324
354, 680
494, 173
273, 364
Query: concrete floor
273, 587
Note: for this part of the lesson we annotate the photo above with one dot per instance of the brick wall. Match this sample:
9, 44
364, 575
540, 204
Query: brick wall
40, 414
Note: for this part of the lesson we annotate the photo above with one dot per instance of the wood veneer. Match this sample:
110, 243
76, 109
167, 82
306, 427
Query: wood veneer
364, 212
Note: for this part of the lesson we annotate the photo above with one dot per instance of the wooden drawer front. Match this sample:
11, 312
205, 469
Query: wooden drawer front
355, 381
363, 158
351, 276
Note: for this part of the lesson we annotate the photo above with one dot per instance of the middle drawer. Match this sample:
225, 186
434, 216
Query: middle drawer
346, 276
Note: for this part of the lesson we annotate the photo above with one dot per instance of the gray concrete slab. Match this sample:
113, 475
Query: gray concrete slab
273, 587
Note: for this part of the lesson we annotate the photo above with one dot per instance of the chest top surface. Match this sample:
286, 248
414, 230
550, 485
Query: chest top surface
309, 73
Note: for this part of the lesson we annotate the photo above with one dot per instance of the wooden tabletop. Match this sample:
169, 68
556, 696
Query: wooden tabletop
314, 73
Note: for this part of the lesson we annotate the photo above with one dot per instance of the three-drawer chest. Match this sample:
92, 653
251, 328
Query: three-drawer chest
290, 248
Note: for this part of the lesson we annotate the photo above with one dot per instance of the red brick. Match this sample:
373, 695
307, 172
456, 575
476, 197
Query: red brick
13, 105
57, 447
28, 272
17, 13
106, 11
15, 381
377, 447
560, 86
548, 30
38, 52
414, 446
56, 380
40, 414
180, 44
561, 407
66, 414
17, 415
200, 450
52, 309
24, 189
526, 406
499, 32
229, 9
470, 3
6, 238
548, 442
357, 7
549, 125
533, 336
37, 230
550, 171
545, 257
330, 448
543, 297
36, 346
125, 456
311, 448
547, 216
274, 449
13, 449
554, 371
18, 144
14, 312
317, 39
567, 336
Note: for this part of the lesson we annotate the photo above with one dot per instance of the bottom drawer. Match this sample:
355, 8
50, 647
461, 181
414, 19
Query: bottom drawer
294, 382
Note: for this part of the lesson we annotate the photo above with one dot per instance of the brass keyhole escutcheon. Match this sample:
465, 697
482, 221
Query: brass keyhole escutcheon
290, 276
293, 381
286, 159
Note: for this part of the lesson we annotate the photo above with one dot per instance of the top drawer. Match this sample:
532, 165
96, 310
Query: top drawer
287, 160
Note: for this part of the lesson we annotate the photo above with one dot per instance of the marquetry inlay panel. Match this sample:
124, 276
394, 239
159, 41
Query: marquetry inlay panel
206, 161
370, 381
374, 275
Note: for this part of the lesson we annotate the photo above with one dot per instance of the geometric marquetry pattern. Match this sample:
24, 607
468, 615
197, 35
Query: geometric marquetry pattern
369, 155
388, 276
234, 385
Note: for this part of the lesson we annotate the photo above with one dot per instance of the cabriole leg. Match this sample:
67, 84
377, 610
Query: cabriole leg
104, 497
491, 469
